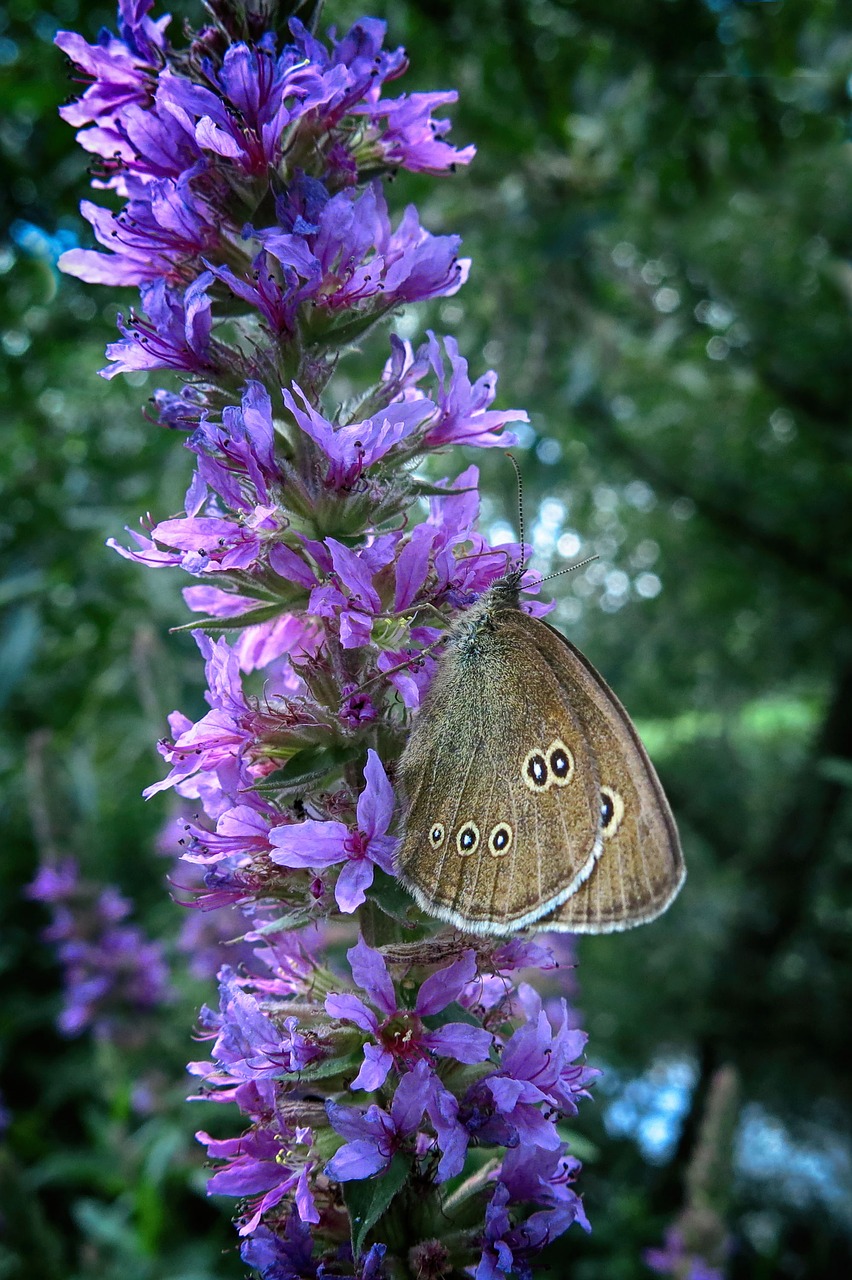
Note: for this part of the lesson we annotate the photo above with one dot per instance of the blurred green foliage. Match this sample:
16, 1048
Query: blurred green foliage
659, 222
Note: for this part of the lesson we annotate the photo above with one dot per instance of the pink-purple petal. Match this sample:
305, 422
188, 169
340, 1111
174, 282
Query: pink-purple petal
308, 844
410, 1099
441, 988
359, 1159
371, 975
352, 883
374, 1069
375, 803
459, 1040
351, 1008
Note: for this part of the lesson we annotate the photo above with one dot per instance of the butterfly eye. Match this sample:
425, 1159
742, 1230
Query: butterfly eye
534, 771
436, 835
560, 760
467, 840
612, 812
500, 840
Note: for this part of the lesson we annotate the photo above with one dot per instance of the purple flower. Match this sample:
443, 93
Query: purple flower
351, 257
404, 134
461, 415
237, 457
543, 1177
375, 1136
358, 54
248, 1044
275, 293
352, 449
263, 1164
492, 990
176, 334
411, 669
159, 236
283, 1255
270, 646
120, 69
446, 562
254, 97
349, 598
225, 734
145, 141
539, 1077
400, 1036
370, 1266
219, 543
507, 1249
357, 708
324, 844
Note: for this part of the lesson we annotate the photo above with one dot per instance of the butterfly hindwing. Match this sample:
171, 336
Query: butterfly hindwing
640, 869
501, 786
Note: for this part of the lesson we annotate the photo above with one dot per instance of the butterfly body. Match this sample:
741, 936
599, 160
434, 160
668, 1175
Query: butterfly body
527, 792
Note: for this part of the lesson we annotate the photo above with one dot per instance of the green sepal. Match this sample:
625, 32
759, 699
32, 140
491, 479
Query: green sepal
342, 334
307, 767
368, 1199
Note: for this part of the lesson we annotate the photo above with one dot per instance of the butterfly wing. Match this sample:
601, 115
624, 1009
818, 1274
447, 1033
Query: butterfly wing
501, 787
641, 866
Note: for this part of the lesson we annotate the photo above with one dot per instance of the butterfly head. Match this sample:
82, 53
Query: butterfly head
507, 590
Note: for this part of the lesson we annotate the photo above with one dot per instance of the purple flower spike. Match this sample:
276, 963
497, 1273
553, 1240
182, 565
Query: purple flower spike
324, 844
248, 203
674, 1259
112, 972
400, 1036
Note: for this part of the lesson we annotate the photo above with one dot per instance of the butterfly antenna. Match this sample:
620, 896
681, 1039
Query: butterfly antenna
581, 564
514, 463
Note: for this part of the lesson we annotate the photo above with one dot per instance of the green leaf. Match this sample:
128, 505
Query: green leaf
428, 490
389, 895
241, 620
452, 1013
336, 1065
580, 1145
281, 924
369, 1199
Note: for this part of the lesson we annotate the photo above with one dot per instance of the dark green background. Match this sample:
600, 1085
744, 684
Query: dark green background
659, 221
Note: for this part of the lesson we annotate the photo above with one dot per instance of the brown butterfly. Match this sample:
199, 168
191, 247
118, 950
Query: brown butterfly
529, 798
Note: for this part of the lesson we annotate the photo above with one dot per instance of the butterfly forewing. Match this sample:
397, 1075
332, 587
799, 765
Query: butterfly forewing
640, 869
502, 789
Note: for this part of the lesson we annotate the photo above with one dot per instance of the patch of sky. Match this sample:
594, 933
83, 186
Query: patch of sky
649, 1108
806, 1172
